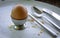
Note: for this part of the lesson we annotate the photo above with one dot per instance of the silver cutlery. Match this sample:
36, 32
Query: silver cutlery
51, 31
38, 13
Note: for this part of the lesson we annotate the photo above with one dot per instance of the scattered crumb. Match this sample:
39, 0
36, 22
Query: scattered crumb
34, 26
11, 27
40, 32
42, 22
31, 20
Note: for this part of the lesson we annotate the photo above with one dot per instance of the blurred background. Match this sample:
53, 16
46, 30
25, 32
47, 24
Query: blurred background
53, 2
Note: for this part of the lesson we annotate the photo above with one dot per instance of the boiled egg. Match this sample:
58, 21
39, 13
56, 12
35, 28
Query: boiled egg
19, 12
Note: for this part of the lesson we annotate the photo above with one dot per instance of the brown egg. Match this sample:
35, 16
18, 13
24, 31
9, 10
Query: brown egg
19, 12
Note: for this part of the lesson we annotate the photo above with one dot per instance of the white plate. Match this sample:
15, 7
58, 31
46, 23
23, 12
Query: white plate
32, 29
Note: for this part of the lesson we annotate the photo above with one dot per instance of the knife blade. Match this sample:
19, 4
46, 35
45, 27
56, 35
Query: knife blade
55, 15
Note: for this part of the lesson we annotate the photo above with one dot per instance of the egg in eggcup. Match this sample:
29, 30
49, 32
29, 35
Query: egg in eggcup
19, 16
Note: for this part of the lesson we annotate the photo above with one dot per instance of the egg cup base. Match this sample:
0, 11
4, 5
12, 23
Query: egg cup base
19, 27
